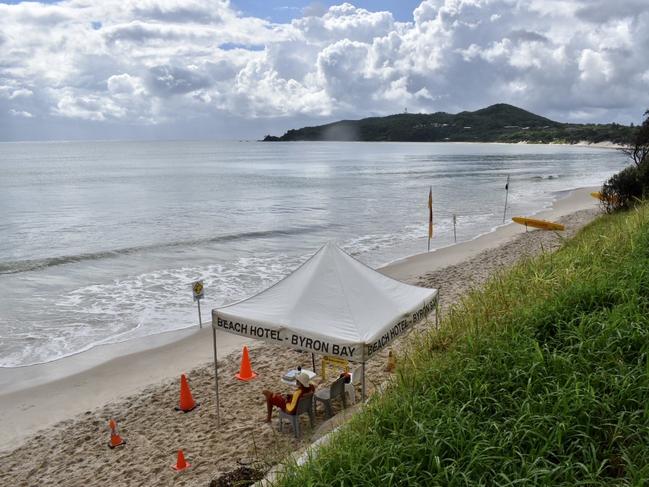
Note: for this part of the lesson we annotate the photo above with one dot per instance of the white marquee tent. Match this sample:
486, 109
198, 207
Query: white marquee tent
331, 305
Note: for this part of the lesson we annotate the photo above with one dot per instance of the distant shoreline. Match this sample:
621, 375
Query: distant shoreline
607, 144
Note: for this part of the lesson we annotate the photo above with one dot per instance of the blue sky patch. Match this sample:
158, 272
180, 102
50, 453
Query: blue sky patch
284, 11
229, 46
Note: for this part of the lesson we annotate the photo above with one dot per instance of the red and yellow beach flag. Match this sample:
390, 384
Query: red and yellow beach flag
430, 216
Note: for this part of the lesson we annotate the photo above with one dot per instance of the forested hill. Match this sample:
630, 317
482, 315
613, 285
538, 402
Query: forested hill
497, 123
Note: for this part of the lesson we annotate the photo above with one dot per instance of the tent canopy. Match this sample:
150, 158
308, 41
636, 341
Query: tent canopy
333, 305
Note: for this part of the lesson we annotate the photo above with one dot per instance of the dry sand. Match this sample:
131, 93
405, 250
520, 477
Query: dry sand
74, 452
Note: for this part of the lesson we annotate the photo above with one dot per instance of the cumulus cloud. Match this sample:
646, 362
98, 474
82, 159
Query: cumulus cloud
22, 92
143, 63
124, 84
345, 22
20, 113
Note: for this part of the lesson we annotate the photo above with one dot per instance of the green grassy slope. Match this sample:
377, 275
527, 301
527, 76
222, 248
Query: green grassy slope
541, 378
497, 123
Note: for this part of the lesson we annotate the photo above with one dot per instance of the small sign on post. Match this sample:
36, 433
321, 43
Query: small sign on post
199, 293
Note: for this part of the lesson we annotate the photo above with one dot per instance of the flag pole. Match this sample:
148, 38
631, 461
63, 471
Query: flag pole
430, 216
216, 378
506, 195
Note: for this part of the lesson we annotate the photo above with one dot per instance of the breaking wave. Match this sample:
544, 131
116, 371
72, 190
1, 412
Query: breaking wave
27, 265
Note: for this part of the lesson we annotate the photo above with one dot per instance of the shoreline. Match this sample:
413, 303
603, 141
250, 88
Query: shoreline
410, 267
605, 144
35, 397
100, 353
559, 195
38, 396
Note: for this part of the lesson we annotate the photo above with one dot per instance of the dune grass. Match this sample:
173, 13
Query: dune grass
540, 378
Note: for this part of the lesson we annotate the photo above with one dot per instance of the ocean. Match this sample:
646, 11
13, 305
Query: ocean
101, 241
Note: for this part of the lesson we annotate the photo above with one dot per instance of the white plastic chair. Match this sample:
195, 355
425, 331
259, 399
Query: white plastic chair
325, 396
304, 405
350, 389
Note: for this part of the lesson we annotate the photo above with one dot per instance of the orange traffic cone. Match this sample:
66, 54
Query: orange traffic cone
115, 438
245, 371
186, 402
181, 464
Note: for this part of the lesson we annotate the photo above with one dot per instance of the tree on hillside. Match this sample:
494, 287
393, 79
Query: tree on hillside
638, 150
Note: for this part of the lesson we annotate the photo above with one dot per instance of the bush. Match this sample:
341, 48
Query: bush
623, 189
630, 185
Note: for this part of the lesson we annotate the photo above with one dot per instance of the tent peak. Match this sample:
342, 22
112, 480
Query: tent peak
331, 304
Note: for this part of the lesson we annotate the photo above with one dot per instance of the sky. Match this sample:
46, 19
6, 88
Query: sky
241, 69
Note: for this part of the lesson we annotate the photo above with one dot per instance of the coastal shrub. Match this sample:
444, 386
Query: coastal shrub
625, 189
543, 380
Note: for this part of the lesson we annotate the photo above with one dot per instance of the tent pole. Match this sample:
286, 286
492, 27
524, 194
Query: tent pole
216, 379
363, 384
313, 361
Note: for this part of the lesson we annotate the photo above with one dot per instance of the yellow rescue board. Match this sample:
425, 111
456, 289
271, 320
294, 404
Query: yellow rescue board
543, 224
601, 197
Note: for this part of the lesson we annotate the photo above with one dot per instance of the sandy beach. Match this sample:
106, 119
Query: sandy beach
53, 430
